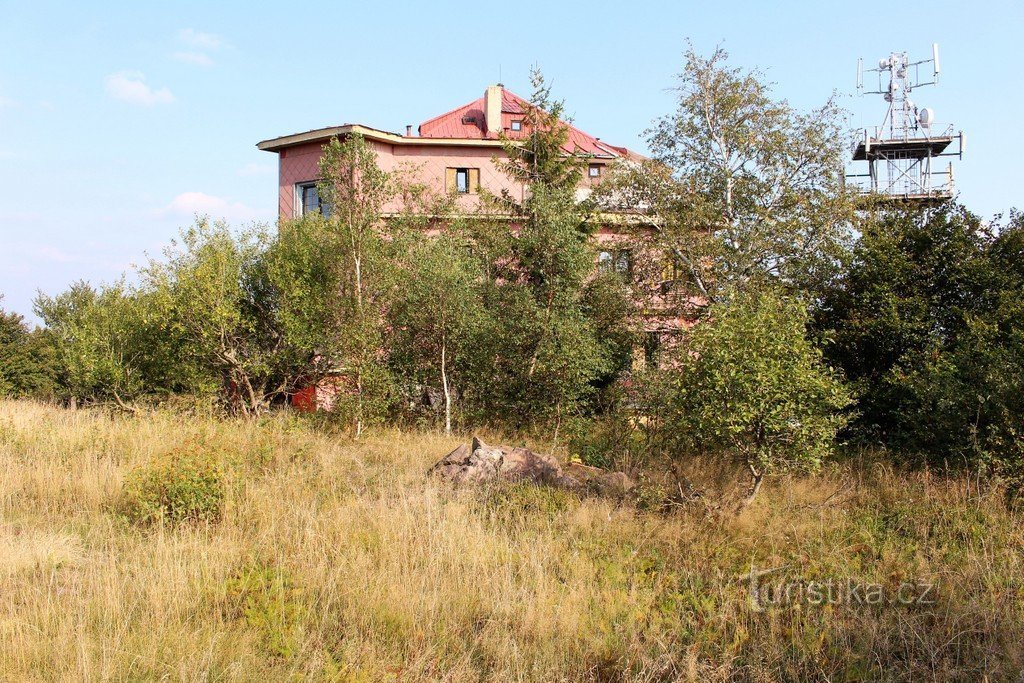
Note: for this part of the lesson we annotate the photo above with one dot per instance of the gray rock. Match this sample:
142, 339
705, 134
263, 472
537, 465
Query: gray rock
481, 462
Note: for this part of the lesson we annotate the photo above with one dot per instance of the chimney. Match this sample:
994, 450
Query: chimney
492, 108
408, 131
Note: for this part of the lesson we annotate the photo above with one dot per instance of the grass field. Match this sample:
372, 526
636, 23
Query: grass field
336, 560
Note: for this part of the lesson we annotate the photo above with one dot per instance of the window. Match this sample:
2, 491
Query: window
615, 261
652, 346
309, 200
462, 180
517, 125
624, 262
594, 170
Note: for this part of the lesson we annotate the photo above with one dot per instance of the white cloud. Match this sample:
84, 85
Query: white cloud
206, 41
197, 58
254, 169
189, 204
130, 86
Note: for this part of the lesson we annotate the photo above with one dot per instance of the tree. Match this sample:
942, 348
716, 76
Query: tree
743, 190
926, 322
213, 297
914, 281
357, 191
543, 354
747, 383
25, 358
437, 315
107, 344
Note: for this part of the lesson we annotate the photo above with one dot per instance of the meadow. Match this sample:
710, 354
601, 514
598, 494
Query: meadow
331, 559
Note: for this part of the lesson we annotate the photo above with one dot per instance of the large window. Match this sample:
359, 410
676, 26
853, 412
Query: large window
309, 200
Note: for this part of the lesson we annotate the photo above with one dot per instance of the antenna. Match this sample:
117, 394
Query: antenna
900, 151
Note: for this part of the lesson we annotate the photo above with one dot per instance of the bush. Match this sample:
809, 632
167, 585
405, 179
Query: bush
610, 441
748, 384
268, 599
186, 485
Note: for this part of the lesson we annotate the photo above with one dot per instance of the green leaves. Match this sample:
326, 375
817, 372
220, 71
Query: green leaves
25, 358
747, 382
744, 190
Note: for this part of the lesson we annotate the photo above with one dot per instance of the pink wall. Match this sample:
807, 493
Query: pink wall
423, 164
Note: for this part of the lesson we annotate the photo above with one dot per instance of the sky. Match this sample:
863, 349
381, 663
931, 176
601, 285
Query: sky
121, 121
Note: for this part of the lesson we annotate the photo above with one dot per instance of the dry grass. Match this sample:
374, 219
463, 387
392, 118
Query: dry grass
340, 561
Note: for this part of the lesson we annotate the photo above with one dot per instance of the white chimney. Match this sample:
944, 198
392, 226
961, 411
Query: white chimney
492, 108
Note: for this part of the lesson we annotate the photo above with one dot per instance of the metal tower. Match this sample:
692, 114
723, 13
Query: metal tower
900, 152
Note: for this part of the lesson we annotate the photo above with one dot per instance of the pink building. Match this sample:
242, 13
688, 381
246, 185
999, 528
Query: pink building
455, 153
452, 152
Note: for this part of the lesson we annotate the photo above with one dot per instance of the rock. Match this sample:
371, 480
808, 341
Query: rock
481, 463
598, 480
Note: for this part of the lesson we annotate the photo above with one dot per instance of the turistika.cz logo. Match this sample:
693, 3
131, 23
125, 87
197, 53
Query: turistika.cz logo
765, 592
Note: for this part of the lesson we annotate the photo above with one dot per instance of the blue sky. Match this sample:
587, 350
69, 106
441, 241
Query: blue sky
118, 121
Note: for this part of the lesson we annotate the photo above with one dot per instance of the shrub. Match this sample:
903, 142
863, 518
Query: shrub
267, 598
186, 485
610, 440
748, 383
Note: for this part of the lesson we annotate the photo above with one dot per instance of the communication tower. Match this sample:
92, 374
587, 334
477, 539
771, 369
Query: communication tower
900, 152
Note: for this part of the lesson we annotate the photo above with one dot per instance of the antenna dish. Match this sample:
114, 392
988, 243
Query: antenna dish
883, 63
926, 117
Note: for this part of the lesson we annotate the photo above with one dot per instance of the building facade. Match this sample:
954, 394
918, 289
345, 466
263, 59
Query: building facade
458, 153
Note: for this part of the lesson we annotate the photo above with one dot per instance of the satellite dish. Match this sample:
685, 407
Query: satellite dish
883, 64
926, 116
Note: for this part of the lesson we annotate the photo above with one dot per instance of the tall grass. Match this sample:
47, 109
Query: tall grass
340, 561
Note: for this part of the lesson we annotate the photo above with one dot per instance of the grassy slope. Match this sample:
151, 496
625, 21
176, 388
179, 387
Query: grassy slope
341, 561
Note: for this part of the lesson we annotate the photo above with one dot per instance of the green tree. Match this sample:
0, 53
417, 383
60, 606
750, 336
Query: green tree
748, 383
213, 297
927, 324
913, 283
543, 354
106, 344
743, 190
357, 193
25, 358
437, 315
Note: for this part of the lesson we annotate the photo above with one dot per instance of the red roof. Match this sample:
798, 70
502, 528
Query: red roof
469, 122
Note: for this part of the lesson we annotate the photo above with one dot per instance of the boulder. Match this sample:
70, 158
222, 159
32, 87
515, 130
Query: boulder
480, 462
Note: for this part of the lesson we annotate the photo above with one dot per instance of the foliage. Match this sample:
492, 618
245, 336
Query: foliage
437, 316
747, 383
743, 190
926, 323
25, 358
357, 191
109, 344
544, 354
268, 600
217, 301
185, 485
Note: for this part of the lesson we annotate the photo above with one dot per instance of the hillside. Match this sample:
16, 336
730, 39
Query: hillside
340, 561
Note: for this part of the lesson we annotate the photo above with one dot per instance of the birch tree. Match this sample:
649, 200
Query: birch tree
436, 316
356, 192
743, 189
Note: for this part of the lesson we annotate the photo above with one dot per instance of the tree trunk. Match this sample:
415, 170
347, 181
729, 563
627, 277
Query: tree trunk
447, 391
756, 479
